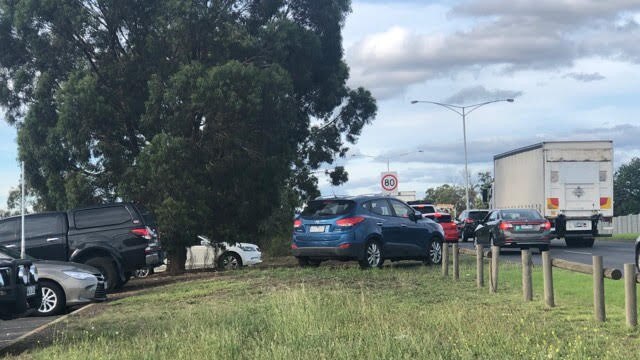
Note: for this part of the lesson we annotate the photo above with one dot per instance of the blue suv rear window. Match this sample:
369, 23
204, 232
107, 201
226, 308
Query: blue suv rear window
328, 208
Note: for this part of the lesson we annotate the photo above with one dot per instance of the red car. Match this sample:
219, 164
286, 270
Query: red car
443, 218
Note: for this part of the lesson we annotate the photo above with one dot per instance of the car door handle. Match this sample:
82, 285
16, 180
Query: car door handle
379, 223
403, 225
52, 239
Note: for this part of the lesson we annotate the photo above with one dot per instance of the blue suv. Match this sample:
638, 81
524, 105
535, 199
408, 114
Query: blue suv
370, 229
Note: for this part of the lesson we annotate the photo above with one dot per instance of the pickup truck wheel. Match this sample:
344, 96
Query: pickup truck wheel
107, 267
53, 299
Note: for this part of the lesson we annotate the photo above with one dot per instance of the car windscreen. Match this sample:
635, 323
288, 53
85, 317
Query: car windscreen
147, 216
424, 209
478, 215
524, 214
327, 208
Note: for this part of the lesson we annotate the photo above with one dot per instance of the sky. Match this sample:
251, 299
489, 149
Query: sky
572, 66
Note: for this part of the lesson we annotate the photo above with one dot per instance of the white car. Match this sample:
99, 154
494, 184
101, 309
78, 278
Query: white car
221, 255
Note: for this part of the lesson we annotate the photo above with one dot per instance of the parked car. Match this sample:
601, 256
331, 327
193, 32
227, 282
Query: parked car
19, 289
369, 229
221, 255
63, 284
523, 228
116, 239
443, 218
468, 222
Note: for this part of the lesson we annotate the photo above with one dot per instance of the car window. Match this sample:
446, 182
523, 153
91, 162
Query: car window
113, 215
36, 226
524, 214
477, 215
400, 209
424, 209
380, 207
147, 215
333, 207
9, 230
493, 216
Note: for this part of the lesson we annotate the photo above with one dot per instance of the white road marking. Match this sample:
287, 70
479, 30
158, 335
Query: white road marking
578, 252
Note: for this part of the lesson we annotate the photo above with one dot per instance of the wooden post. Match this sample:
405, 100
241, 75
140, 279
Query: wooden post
548, 279
630, 297
479, 266
445, 259
495, 255
527, 287
456, 265
598, 289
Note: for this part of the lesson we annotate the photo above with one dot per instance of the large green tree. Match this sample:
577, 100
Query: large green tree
626, 188
205, 110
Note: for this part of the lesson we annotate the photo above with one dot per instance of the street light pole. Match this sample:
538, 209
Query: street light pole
462, 111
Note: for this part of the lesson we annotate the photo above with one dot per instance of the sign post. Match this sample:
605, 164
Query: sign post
389, 182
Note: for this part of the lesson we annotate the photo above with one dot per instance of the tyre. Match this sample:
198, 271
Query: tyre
434, 254
372, 255
54, 301
229, 261
142, 273
107, 268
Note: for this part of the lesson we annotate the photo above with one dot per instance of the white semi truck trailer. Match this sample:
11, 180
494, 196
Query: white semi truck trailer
569, 182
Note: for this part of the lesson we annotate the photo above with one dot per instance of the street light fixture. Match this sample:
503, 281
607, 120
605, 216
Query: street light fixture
462, 111
388, 157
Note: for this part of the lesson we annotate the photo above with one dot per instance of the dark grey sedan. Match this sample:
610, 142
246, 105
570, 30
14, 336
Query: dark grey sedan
521, 228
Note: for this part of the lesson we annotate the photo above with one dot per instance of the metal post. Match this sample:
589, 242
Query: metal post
23, 253
456, 264
598, 289
548, 279
466, 162
527, 286
445, 258
630, 297
479, 266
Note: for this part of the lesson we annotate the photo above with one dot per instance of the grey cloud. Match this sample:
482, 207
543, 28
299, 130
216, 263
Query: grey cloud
480, 93
529, 35
584, 76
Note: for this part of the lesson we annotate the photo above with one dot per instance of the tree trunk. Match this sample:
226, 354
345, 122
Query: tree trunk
176, 259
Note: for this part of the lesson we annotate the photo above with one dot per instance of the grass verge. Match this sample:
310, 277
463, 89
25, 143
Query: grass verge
345, 313
625, 237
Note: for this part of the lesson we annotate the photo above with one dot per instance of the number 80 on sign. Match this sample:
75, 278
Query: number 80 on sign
389, 182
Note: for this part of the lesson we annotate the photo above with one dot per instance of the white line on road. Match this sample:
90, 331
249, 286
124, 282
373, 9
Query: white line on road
579, 252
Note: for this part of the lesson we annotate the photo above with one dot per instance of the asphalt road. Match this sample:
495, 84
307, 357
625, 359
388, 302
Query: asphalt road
614, 253
13, 329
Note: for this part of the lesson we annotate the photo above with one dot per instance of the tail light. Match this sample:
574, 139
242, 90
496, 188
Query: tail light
144, 232
350, 221
344, 246
437, 215
546, 225
505, 226
468, 220
297, 224
294, 246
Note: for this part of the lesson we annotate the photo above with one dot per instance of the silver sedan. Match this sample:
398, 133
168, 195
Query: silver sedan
64, 284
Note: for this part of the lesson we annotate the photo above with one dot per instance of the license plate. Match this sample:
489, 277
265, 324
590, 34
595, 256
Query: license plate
31, 290
578, 225
526, 227
317, 228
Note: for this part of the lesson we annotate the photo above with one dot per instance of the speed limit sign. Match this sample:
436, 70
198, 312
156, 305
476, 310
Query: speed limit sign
389, 182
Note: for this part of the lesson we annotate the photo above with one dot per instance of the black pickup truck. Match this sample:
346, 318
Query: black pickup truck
117, 239
19, 289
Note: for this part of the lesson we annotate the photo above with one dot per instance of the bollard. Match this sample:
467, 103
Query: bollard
456, 264
548, 279
445, 259
630, 297
493, 281
598, 289
479, 266
527, 287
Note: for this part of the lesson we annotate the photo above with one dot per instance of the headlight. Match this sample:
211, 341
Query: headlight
78, 275
23, 274
248, 248
34, 272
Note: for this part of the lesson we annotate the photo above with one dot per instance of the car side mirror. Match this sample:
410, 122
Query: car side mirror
416, 216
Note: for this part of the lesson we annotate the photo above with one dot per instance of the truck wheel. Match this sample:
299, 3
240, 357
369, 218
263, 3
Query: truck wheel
107, 267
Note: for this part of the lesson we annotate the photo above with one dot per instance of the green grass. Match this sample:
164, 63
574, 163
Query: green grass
346, 313
626, 237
